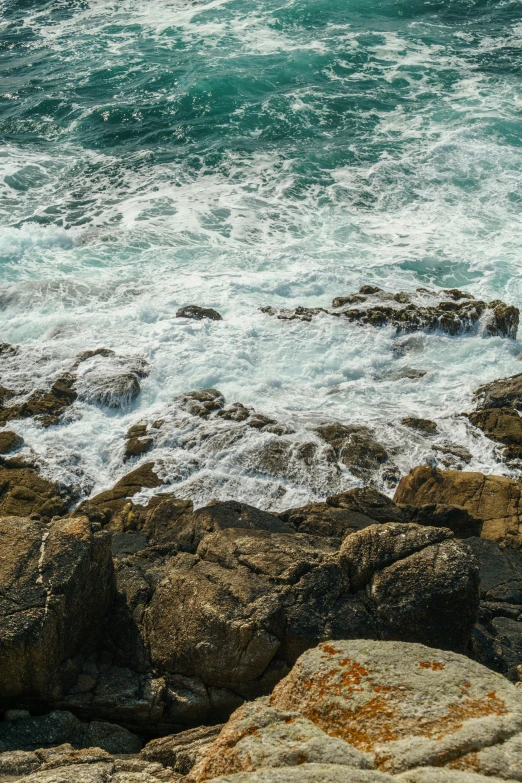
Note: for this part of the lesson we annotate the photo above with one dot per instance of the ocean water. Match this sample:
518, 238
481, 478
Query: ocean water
234, 154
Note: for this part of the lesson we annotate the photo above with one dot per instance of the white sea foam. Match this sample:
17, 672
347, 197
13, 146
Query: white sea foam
100, 249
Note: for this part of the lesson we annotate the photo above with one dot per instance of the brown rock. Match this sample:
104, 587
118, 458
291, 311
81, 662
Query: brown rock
24, 492
10, 441
181, 751
56, 586
502, 393
503, 425
422, 425
47, 407
495, 500
355, 447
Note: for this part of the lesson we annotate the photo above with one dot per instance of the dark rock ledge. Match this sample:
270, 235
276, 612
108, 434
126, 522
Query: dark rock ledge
449, 311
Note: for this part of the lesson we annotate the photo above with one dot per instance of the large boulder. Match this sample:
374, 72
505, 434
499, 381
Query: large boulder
494, 500
56, 586
224, 620
388, 705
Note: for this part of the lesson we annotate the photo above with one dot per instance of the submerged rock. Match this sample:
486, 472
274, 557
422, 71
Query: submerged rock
198, 313
452, 312
355, 447
426, 426
46, 406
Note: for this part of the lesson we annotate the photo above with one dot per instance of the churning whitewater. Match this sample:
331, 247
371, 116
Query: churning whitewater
238, 155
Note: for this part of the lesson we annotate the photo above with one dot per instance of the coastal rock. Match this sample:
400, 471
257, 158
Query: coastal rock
137, 442
102, 507
258, 736
201, 403
198, 313
362, 697
425, 426
367, 693
355, 447
451, 312
307, 773
103, 378
23, 492
345, 513
46, 406
503, 425
10, 441
230, 621
497, 637
57, 586
181, 751
494, 500
502, 393
29, 733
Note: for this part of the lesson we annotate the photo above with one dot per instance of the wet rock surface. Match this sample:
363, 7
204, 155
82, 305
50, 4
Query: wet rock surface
198, 313
10, 441
451, 312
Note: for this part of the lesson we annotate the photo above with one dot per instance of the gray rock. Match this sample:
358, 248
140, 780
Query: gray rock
307, 773
405, 704
258, 736
444, 775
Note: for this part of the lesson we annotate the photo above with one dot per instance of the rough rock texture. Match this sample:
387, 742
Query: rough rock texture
23, 492
46, 406
9, 441
138, 442
195, 633
369, 693
181, 751
102, 507
56, 587
502, 393
451, 311
495, 500
26, 733
355, 447
258, 735
198, 313
307, 773
497, 637
426, 426
503, 425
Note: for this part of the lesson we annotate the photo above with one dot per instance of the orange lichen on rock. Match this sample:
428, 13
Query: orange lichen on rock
435, 666
327, 700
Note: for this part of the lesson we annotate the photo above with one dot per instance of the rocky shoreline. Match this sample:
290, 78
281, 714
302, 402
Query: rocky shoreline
356, 638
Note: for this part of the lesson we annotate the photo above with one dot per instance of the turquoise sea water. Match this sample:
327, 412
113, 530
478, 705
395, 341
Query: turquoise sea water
236, 154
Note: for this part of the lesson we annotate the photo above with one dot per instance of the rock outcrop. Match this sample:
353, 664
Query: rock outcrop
198, 313
24, 492
494, 500
450, 311
56, 589
386, 706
